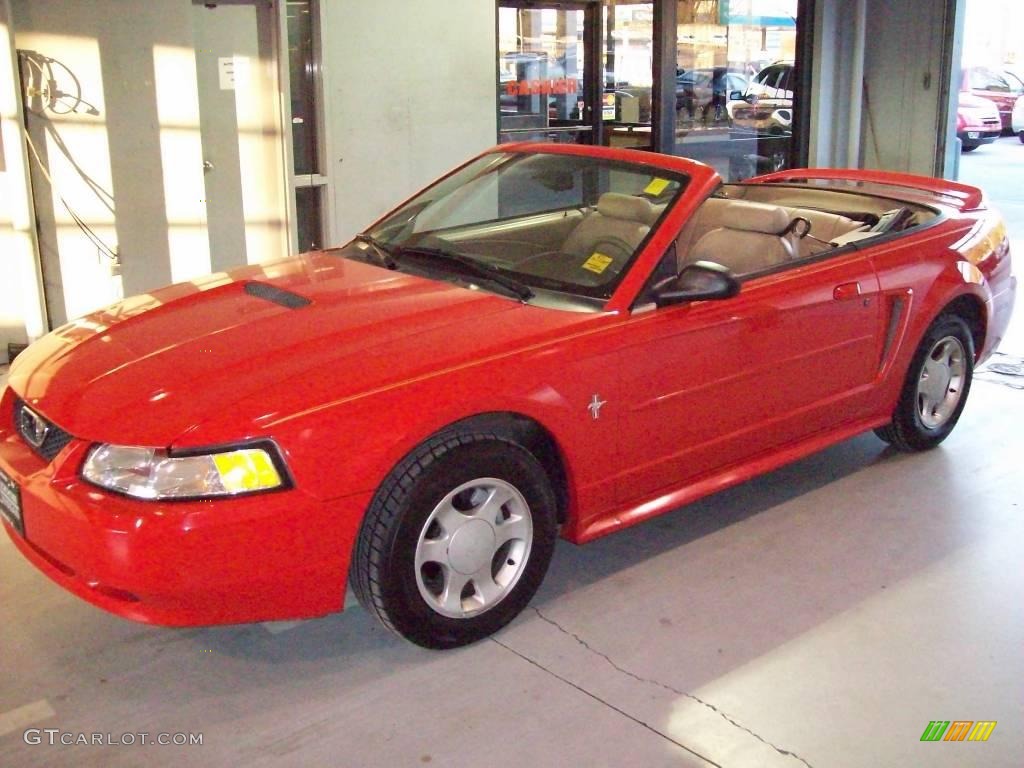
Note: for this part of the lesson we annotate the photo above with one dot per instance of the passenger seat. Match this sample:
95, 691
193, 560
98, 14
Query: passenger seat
749, 239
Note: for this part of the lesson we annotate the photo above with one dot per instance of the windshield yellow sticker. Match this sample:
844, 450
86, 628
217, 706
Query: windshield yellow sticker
656, 187
597, 262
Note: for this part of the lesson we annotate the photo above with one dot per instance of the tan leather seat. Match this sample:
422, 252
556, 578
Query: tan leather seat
749, 239
615, 228
825, 227
711, 215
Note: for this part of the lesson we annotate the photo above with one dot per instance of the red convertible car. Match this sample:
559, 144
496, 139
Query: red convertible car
550, 340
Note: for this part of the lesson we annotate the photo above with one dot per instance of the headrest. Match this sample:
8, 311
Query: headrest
620, 206
755, 217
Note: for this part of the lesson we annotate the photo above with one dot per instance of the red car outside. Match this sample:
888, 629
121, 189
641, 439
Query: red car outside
551, 340
1001, 88
977, 121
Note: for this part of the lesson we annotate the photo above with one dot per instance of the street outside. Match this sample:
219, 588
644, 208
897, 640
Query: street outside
998, 169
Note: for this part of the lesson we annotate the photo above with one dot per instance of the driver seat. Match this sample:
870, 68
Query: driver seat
619, 221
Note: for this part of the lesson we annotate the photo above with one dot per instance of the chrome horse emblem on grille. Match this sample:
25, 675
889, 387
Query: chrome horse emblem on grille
33, 428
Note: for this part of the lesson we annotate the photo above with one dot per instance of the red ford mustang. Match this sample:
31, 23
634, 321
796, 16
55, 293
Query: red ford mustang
549, 340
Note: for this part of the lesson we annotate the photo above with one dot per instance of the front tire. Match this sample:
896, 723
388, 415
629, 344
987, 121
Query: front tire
456, 540
936, 388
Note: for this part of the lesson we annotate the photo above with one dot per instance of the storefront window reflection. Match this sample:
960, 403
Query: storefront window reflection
541, 58
728, 102
734, 83
628, 72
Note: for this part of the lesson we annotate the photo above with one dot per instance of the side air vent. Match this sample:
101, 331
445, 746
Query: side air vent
276, 295
895, 317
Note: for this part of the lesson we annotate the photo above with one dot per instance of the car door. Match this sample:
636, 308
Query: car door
710, 384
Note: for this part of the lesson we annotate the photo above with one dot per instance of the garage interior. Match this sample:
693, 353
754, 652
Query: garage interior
821, 615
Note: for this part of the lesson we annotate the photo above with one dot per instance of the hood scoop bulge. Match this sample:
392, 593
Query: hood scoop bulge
276, 295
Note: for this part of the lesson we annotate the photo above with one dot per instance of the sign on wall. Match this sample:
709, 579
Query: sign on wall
758, 13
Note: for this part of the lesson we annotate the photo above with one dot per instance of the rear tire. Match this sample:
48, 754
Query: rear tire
456, 540
936, 388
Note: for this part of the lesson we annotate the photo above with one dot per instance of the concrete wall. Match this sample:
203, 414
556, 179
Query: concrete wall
21, 307
831, 87
904, 111
903, 118
100, 145
117, 150
411, 94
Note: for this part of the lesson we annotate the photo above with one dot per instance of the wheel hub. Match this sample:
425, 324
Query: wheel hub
939, 388
471, 547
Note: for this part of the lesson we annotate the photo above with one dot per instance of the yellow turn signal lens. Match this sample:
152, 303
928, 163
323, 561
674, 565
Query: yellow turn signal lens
248, 469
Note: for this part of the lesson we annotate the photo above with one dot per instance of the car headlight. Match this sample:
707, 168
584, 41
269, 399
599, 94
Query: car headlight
152, 473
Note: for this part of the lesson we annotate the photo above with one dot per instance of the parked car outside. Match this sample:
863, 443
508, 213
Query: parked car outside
1001, 88
762, 121
702, 94
1015, 78
977, 121
766, 105
1017, 119
550, 341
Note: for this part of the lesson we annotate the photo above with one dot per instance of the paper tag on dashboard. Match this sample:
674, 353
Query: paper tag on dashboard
597, 262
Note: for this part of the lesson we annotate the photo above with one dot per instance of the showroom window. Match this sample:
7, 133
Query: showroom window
735, 83
544, 75
627, 104
715, 80
309, 181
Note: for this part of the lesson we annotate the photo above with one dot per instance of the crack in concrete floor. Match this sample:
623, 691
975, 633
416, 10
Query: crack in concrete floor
605, 702
647, 681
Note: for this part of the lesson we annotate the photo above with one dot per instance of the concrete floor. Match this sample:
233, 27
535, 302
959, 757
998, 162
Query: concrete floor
819, 616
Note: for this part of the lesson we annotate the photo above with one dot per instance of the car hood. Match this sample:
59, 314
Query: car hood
151, 368
968, 102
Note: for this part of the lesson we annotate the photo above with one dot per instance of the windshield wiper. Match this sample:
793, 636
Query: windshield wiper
470, 266
382, 251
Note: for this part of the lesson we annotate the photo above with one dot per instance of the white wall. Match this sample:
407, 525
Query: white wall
122, 148
904, 106
411, 94
831, 84
22, 316
102, 153
903, 71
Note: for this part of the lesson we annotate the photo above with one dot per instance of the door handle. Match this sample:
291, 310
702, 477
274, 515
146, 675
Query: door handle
846, 291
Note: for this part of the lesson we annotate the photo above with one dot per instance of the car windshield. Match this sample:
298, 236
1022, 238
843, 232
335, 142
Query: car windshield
526, 223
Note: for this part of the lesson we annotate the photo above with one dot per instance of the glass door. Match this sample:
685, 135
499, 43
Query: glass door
627, 97
544, 72
735, 84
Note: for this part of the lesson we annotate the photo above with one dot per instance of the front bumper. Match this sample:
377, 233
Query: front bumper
271, 556
975, 137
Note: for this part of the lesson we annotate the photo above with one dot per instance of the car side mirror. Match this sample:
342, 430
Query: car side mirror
700, 281
737, 96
